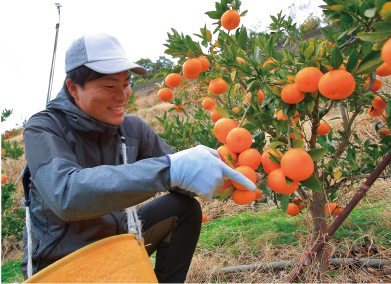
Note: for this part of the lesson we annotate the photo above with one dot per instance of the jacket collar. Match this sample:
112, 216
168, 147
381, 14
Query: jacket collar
78, 119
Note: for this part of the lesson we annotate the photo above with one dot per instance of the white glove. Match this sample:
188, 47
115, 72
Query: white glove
200, 170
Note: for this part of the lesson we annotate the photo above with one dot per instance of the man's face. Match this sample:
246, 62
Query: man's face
105, 98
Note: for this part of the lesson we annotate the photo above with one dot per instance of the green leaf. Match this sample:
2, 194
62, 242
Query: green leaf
243, 38
284, 202
311, 105
336, 57
243, 13
352, 62
273, 159
227, 193
370, 12
275, 144
288, 181
375, 36
223, 113
317, 154
214, 15
312, 183
369, 67
382, 26
379, 4
298, 143
337, 8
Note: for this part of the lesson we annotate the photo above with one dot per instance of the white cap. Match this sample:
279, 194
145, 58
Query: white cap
102, 53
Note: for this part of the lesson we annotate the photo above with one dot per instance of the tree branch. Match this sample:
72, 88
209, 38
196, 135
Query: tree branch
344, 118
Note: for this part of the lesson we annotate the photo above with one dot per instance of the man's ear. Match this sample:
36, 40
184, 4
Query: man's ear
73, 89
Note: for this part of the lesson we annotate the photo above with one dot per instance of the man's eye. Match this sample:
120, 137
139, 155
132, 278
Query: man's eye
110, 87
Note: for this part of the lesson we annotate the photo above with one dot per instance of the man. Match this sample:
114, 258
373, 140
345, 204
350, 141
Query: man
81, 181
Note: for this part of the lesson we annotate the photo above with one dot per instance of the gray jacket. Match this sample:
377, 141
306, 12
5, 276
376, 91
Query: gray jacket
80, 185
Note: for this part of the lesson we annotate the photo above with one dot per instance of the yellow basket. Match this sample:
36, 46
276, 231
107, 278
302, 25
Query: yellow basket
118, 259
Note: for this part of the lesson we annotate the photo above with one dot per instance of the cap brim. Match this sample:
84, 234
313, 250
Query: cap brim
115, 66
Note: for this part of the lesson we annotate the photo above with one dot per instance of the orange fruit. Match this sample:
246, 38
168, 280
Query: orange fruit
191, 68
384, 131
270, 60
268, 165
188, 77
178, 108
337, 84
293, 209
307, 79
222, 127
373, 112
379, 103
165, 94
214, 115
251, 158
248, 173
323, 128
239, 139
224, 150
3, 152
235, 109
386, 52
243, 197
204, 218
230, 20
376, 85
240, 60
334, 209
258, 194
301, 204
218, 86
204, 63
280, 115
277, 183
291, 94
383, 70
208, 104
173, 80
260, 94
227, 183
383, 116
293, 137
297, 164
3, 179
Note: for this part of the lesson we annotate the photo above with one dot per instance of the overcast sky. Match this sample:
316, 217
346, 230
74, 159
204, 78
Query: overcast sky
28, 33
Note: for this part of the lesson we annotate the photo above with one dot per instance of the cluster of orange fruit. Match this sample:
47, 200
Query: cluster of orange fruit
3, 152
236, 152
3, 179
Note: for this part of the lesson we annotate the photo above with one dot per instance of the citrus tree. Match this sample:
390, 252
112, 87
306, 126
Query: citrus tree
260, 97
12, 214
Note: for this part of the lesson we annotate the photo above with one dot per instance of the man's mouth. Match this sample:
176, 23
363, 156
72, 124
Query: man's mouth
117, 108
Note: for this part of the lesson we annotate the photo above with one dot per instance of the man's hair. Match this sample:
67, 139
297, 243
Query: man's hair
80, 76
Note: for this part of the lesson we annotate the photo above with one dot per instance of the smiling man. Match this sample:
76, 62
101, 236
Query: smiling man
89, 161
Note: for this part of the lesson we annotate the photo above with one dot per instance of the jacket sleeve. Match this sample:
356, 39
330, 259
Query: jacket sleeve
74, 193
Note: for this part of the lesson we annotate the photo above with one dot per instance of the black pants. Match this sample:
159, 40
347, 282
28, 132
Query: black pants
171, 226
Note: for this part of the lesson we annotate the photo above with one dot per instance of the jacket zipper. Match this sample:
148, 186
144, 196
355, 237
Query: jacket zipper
116, 223
67, 225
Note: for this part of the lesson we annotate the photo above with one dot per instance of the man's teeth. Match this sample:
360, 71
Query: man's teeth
117, 108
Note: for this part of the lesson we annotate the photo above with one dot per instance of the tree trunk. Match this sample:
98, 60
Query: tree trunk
319, 222
318, 204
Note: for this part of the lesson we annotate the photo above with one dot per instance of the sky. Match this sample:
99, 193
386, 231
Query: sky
28, 31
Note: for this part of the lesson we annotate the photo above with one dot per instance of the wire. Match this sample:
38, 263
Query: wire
54, 56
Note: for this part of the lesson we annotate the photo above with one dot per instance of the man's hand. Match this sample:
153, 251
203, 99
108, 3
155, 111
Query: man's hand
200, 170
